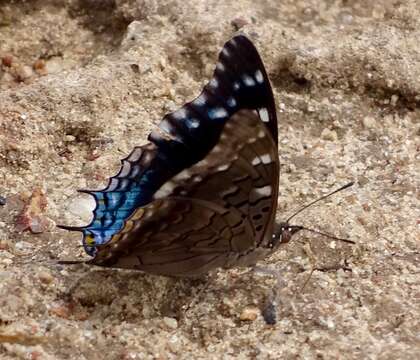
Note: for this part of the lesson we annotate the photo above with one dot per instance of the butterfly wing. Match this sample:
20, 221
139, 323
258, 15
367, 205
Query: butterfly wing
241, 172
176, 236
186, 137
209, 215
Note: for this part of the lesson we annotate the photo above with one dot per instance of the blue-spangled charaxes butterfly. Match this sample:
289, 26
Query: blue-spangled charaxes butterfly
202, 193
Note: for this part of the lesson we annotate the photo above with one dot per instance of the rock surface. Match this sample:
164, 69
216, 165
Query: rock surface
82, 82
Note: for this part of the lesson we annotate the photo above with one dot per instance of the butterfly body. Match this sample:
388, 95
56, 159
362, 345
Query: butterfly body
202, 194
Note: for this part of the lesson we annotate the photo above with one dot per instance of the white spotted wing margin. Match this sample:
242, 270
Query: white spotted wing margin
218, 213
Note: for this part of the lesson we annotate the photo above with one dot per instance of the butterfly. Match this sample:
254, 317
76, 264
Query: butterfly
202, 193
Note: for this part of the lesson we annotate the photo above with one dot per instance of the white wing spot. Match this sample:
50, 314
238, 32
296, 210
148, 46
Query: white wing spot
214, 83
113, 185
258, 193
266, 159
200, 101
264, 191
183, 175
225, 52
231, 102
259, 76
135, 171
125, 170
217, 113
179, 114
220, 66
263, 112
223, 167
217, 149
248, 80
256, 160
166, 126
135, 155
193, 123
236, 85
165, 190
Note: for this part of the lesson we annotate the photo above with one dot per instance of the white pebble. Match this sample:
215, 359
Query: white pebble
170, 322
250, 313
369, 122
328, 134
82, 207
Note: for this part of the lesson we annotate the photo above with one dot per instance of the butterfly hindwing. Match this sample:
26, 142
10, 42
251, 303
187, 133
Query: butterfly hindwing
221, 207
240, 172
176, 236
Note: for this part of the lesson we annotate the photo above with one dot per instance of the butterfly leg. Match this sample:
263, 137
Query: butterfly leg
205, 282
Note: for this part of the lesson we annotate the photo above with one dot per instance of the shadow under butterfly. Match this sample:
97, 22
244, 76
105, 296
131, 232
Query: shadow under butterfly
202, 194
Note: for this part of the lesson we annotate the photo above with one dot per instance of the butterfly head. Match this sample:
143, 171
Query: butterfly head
283, 233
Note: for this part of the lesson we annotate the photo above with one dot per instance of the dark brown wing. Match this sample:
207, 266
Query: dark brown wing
178, 237
241, 172
221, 208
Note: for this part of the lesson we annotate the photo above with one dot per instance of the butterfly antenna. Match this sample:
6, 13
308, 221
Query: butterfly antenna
307, 280
319, 199
327, 235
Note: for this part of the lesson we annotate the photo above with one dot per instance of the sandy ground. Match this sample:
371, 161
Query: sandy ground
82, 82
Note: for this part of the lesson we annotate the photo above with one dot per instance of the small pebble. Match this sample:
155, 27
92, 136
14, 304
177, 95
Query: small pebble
2, 200
239, 23
7, 60
269, 314
5, 244
38, 224
45, 277
53, 66
328, 134
24, 72
394, 100
69, 138
250, 313
82, 207
7, 261
23, 246
7, 77
170, 322
174, 344
39, 67
369, 122
135, 68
